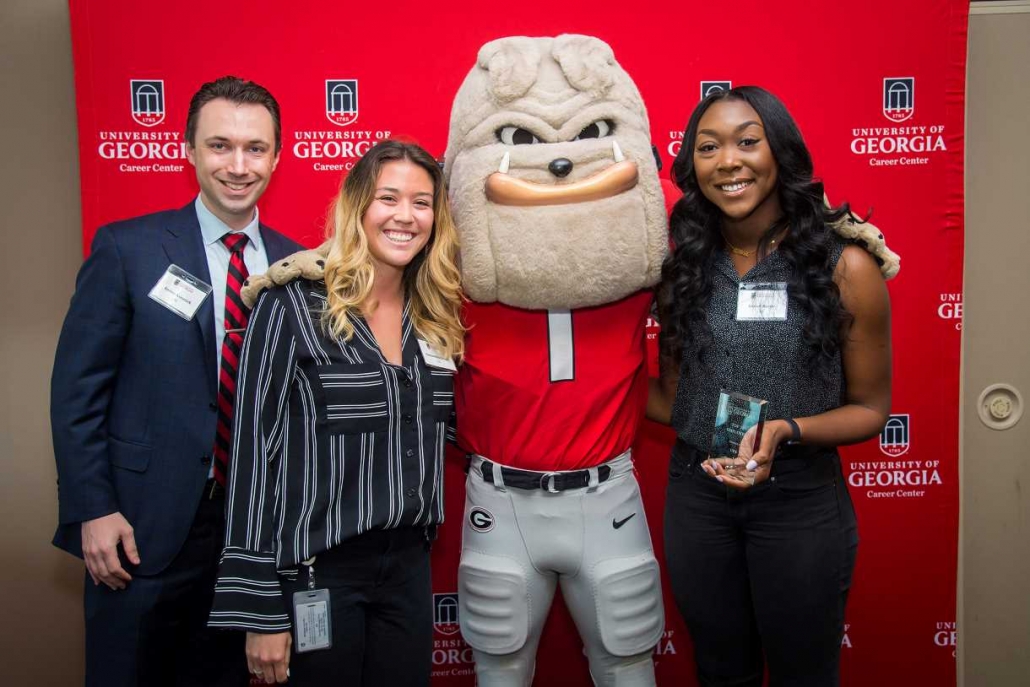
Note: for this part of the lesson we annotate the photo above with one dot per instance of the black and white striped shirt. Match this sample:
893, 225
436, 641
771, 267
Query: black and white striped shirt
330, 441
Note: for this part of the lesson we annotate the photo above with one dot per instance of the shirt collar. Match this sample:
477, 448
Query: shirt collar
213, 229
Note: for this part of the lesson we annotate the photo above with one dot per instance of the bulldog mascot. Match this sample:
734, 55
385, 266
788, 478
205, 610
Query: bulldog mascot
555, 192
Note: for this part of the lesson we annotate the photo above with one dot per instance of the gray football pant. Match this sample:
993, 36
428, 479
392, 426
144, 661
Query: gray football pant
518, 544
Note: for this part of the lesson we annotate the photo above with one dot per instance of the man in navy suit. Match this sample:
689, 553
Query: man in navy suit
135, 402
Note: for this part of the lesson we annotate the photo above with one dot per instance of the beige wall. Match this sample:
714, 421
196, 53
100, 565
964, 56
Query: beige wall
994, 555
41, 587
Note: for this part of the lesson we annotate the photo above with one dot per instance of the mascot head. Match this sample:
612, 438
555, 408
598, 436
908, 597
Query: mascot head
553, 183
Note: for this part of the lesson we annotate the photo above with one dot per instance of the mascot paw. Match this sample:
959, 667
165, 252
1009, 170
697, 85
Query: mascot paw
868, 236
307, 264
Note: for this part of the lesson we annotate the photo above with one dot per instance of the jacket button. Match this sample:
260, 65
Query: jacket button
205, 459
411, 493
410, 452
407, 419
212, 405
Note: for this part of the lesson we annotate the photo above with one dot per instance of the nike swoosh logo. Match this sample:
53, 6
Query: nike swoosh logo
619, 523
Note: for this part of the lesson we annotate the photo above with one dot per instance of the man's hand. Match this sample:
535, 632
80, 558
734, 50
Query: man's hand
268, 656
100, 538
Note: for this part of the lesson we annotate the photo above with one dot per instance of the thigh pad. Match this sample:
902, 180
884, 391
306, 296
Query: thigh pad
628, 596
493, 602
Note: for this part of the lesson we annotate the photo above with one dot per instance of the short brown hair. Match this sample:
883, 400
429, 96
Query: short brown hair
235, 90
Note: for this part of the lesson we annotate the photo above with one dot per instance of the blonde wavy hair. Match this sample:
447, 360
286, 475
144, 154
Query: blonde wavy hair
432, 280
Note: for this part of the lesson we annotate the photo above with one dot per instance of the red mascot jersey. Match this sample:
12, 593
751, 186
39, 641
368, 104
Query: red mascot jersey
510, 412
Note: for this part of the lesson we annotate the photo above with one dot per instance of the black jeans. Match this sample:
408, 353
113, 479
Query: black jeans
380, 592
762, 573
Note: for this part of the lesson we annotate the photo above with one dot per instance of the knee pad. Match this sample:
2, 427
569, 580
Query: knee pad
628, 595
493, 603
632, 671
512, 670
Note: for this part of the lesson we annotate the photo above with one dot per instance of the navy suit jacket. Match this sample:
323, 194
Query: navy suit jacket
133, 391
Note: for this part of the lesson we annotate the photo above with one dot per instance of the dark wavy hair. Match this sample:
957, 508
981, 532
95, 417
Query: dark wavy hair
695, 225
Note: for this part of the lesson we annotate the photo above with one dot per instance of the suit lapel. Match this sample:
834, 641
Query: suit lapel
184, 245
276, 248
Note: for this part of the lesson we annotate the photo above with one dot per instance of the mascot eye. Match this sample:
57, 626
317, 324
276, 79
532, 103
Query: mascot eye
599, 129
514, 136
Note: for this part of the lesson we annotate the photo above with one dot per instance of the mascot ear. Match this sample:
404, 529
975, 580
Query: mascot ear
512, 65
587, 62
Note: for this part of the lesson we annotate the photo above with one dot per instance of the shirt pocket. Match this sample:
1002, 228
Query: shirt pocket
354, 398
443, 393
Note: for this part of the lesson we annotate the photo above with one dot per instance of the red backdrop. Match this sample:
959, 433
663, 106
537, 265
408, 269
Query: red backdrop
877, 87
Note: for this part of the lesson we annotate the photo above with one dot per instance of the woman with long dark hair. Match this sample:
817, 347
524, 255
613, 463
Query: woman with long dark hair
761, 297
335, 486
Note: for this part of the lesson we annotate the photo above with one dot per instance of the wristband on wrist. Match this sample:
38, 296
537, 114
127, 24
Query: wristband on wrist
795, 431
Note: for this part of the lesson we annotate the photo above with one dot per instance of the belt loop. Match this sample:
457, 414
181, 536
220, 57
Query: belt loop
498, 477
594, 479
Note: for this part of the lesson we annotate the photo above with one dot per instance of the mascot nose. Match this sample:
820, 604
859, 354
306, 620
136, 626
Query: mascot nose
560, 167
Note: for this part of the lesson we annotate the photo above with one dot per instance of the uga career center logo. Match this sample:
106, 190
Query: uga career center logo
709, 87
148, 101
915, 143
899, 97
481, 520
445, 613
341, 101
894, 440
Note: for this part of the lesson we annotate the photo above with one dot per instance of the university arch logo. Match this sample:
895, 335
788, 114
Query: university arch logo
445, 613
899, 98
148, 101
709, 87
894, 439
341, 101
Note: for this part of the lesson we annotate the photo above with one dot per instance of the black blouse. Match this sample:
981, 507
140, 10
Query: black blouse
330, 440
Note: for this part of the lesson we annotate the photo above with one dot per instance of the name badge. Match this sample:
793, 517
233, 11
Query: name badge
434, 358
180, 292
313, 628
762, 301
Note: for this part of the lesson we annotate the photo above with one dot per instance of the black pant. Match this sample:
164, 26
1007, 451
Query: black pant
154, 632
762, 572
380, 593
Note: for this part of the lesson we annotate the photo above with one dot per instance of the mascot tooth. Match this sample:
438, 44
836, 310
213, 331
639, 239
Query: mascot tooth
555, 191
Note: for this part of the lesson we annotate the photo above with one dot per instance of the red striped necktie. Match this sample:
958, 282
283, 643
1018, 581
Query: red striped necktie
235, 324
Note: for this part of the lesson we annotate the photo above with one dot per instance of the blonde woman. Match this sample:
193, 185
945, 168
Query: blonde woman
336, 482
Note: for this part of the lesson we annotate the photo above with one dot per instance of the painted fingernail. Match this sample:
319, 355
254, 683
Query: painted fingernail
752, 465
719, 477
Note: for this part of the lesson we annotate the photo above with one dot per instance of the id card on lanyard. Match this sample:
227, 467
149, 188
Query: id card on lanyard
762, 301
313, 625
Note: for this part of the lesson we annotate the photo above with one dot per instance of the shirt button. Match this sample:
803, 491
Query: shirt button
410, 452
411, 492
407, 383
205, 459
407, 419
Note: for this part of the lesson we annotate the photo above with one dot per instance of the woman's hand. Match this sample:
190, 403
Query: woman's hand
751, 466
268, 656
